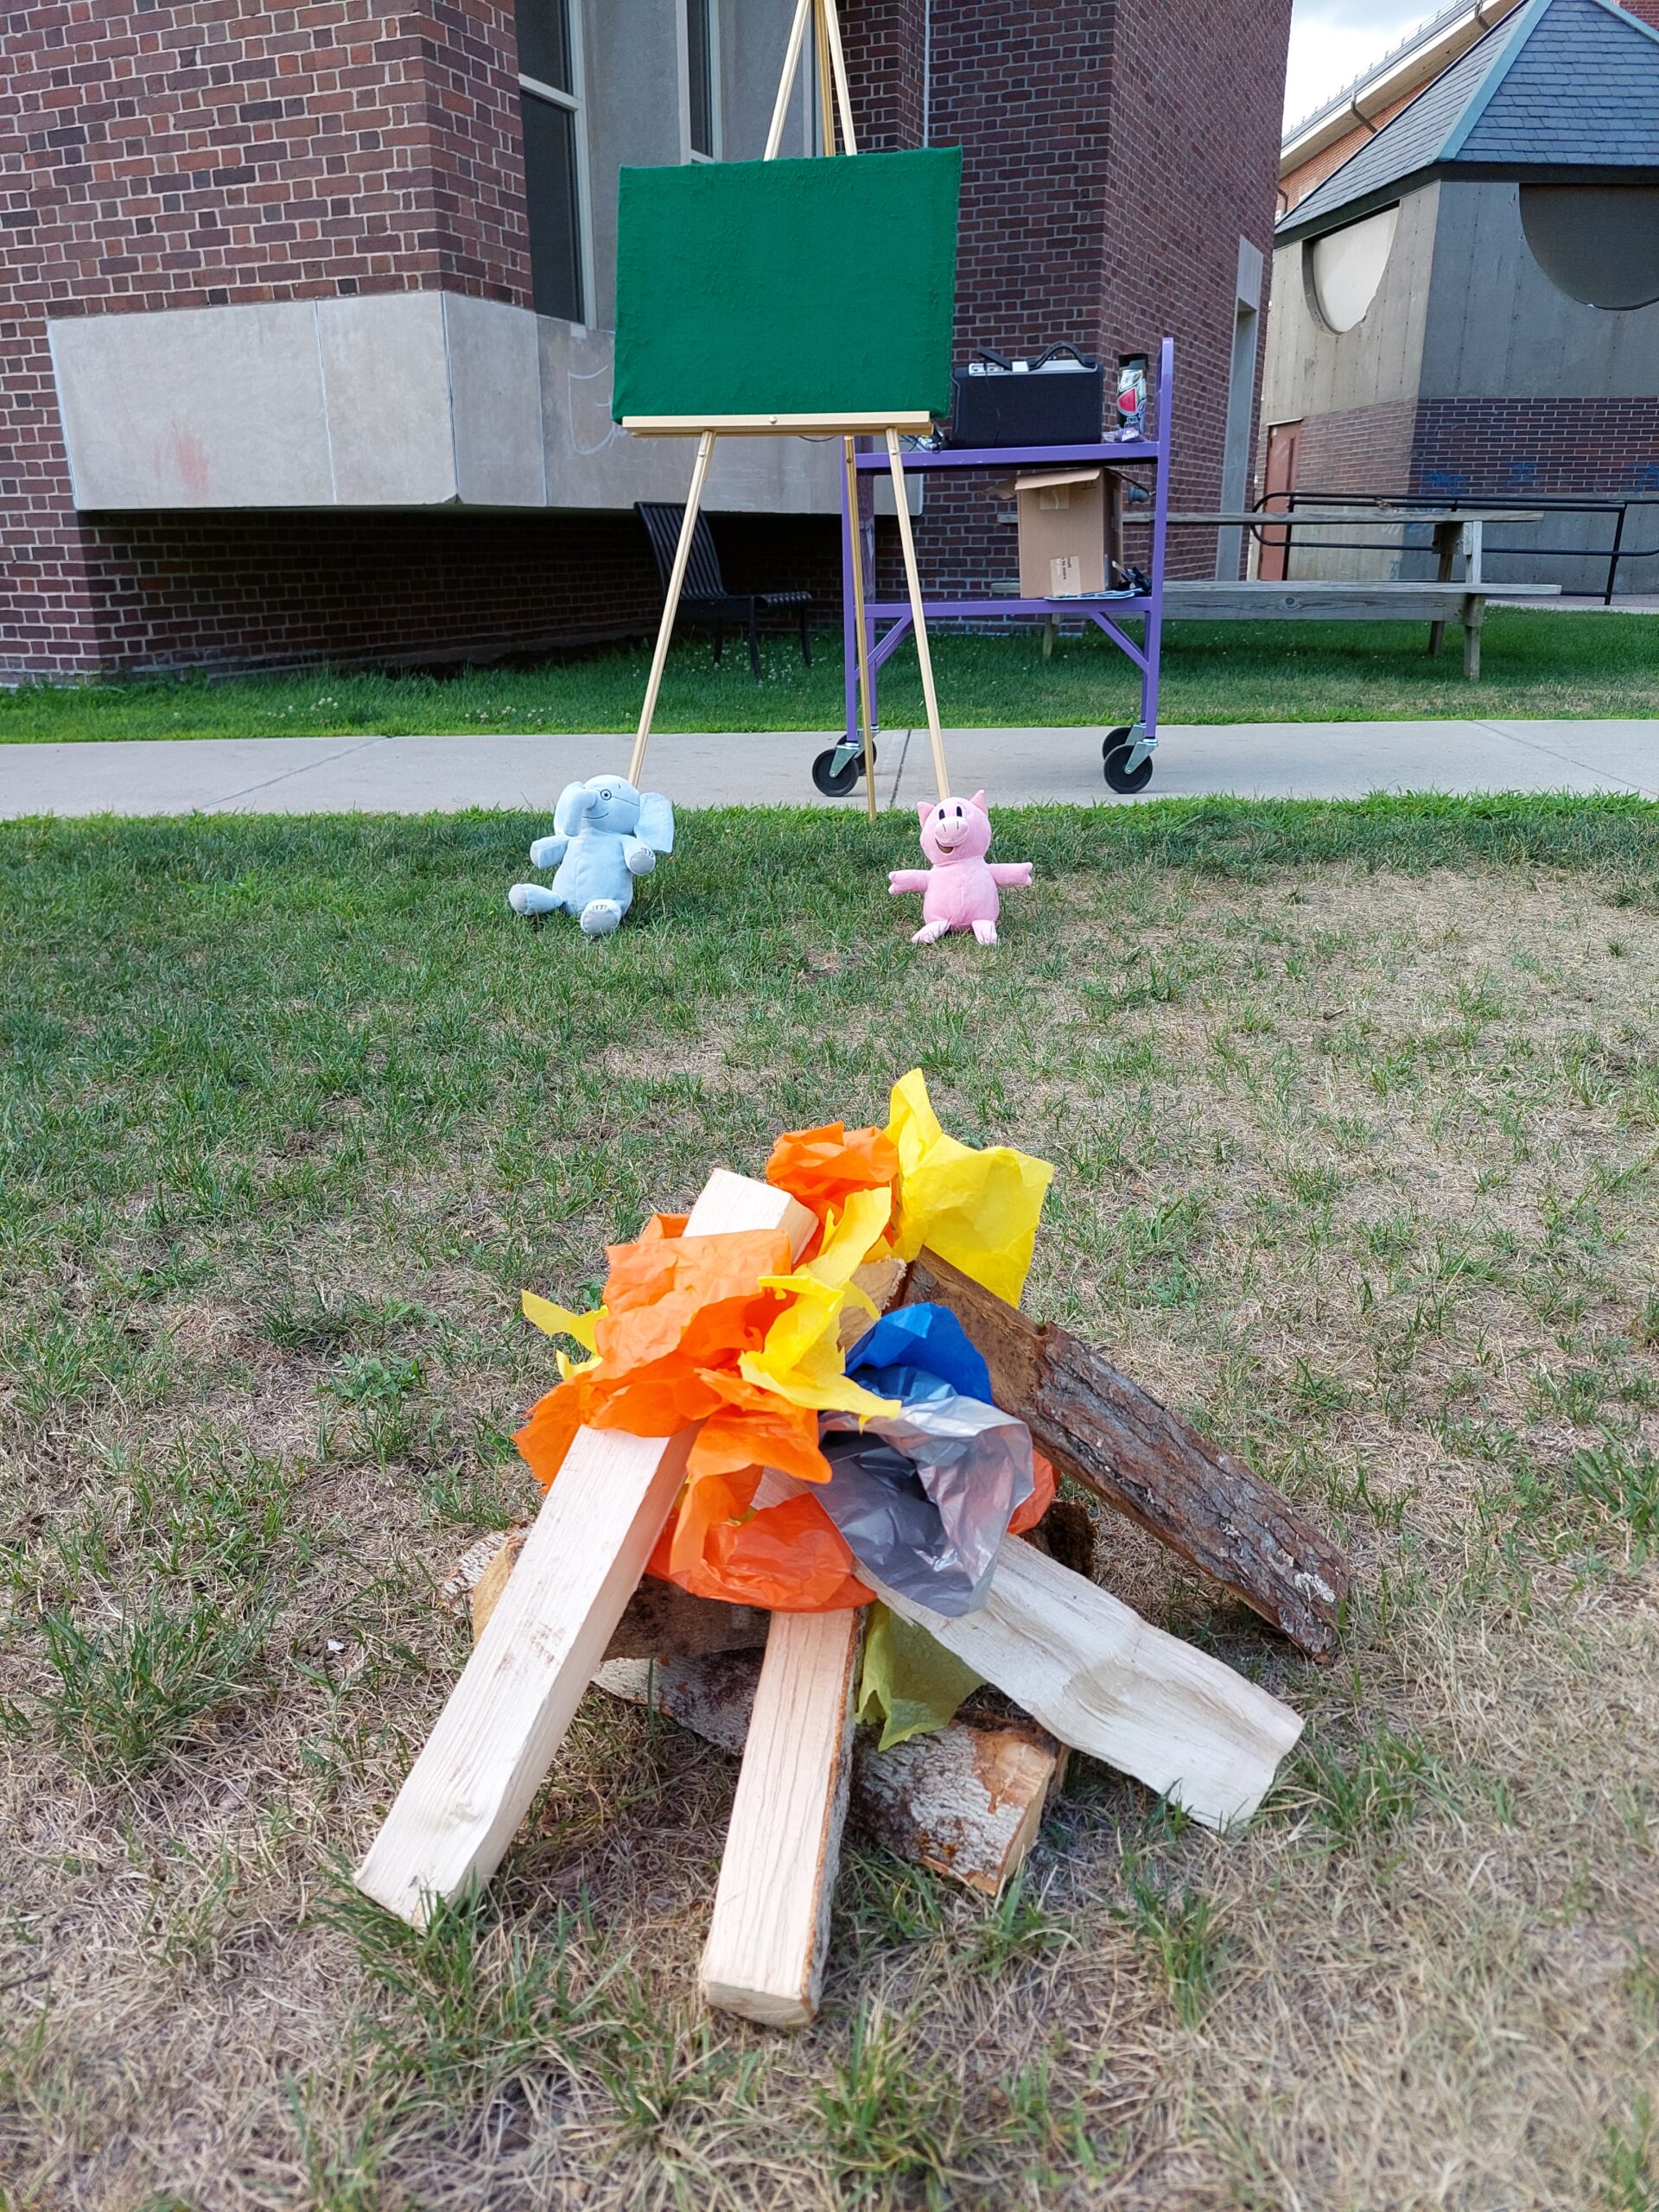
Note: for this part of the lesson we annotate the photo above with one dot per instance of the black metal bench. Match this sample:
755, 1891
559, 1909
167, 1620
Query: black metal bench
705, 598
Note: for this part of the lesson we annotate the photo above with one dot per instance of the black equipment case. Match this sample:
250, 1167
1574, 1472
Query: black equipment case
1058, 400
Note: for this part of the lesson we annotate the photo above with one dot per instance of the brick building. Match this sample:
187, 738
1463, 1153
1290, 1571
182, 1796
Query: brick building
1466, 303
305, 310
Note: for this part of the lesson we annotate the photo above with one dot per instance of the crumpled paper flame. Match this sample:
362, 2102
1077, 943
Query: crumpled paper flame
823, 1167
801, 1358
978, 1209
726, 1331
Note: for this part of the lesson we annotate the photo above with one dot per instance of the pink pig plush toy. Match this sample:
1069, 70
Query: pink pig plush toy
959, 891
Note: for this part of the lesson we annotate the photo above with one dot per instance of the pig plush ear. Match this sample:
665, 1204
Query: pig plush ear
978, 800
923, 807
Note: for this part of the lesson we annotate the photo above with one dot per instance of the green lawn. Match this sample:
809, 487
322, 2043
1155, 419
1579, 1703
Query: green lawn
1537, 665
1354, 1111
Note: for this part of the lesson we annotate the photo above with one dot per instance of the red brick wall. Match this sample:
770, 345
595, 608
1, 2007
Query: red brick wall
1103, 206
202, 153
1356, 449
1182, 192
251, 589
194, 152
1503, 448
883, 43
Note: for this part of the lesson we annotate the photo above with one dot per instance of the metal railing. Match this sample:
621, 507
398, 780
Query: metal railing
1552, 503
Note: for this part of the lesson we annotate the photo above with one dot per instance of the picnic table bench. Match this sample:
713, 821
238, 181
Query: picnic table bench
1458, 534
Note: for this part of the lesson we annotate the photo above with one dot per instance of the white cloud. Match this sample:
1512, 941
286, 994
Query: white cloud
1334, 41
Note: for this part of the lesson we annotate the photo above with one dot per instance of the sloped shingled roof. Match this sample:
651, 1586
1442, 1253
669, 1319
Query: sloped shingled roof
1564, 84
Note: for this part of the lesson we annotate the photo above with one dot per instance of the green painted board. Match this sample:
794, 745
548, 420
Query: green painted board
817, 286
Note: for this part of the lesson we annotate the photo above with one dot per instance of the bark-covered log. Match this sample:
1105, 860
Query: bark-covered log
1146, 1462
966, 1800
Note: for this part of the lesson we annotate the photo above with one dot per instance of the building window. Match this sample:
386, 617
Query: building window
701, 119
1344, 268
1597, 243
550, 88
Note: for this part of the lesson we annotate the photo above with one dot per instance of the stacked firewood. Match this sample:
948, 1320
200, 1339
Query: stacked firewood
561, 1605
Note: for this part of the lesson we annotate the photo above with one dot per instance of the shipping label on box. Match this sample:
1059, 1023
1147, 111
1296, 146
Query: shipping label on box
1065, 574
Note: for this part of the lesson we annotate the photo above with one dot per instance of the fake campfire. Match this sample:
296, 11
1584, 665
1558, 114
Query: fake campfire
811, 1416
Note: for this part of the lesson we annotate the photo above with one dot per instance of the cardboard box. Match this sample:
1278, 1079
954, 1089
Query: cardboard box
1062, 533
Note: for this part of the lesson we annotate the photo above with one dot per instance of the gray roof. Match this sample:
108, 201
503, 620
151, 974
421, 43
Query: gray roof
1419, 35
1562, 85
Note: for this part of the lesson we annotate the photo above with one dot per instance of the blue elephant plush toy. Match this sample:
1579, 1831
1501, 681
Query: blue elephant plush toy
605, 833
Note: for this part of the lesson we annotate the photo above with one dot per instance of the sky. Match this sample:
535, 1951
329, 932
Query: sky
1332, 41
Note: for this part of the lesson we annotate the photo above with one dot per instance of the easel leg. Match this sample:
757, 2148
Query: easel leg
826, 94
838, 65
855, 533
786, 82
913, 578
670, 604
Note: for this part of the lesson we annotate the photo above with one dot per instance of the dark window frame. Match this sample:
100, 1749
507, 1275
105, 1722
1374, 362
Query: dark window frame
701, 23
556, 159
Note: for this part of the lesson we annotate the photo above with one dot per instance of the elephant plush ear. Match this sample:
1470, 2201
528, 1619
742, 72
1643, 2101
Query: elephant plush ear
656, 824
567, 815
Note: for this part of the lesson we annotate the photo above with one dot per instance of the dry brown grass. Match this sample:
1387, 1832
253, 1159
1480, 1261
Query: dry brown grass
1359, 1167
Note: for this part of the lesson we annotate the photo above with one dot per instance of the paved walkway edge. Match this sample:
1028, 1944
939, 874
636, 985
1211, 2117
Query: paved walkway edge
429, 775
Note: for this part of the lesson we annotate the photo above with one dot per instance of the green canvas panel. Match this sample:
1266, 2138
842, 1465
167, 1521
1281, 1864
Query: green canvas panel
817, 286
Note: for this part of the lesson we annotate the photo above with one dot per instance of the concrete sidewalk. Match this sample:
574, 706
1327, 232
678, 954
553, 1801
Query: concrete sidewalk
422, 775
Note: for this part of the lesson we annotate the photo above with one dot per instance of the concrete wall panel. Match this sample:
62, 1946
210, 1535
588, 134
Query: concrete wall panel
208, 407
398, 400
495, 402
1313, 370
387, 396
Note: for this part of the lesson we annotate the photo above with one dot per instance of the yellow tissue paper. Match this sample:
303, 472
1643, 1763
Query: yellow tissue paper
559, 1321
910, 1683
801, 1359
978, 1209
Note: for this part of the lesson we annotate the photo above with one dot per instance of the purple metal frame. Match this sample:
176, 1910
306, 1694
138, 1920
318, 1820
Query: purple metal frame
1150, 607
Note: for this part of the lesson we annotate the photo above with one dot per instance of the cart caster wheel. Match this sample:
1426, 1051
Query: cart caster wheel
836, 783
1119, 777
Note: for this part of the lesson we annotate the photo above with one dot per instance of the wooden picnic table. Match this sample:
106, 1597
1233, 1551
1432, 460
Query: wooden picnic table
1458, 532
1456, 528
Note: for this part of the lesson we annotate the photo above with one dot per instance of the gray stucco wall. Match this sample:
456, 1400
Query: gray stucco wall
1499, 329
634, 119
633, 116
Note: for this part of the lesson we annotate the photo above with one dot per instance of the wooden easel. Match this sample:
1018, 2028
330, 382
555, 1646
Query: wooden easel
834, 99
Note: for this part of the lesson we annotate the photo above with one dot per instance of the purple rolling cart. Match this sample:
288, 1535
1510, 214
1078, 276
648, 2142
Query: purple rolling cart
1128, 750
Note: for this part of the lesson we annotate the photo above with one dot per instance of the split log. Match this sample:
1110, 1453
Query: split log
965, 1801
769, 1933
660, 1621
494, 1741
1119, 1442
1108, 1683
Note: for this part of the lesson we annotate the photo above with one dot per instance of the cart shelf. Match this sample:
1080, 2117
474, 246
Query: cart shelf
1128, 750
